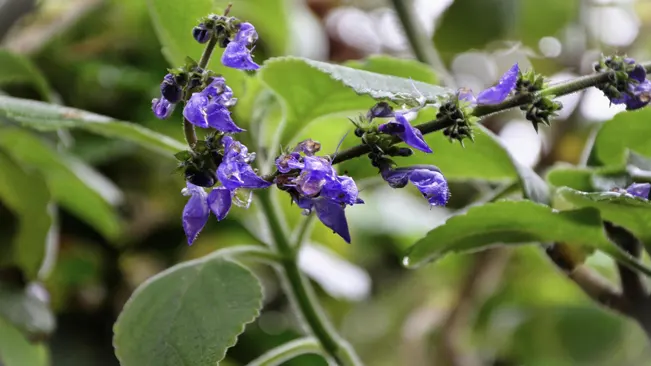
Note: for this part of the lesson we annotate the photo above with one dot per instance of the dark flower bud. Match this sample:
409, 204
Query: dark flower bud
380, 110
391, 128
405, 151
359, 132
201, 33
201, 178
170, 89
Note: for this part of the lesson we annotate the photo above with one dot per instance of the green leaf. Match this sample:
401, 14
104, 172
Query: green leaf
626, 131
587, 179
536, 20
73, 185
27, 196
187, 315
404, 68
312, 89
25, 311
271, 19
15, 350
632, 213
50, 117
15, 68
516, 222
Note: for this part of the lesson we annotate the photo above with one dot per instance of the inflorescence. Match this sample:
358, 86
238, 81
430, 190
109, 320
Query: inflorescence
218, 169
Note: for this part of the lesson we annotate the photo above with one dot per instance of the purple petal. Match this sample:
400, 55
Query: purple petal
432, 185
391, 128
251, 180
499, 92
333, 216
218, 90
162, 108
194, 110
342, 190
238, 56
219, 117
234, 175
466, 94
246, 34
195, 213
220, 201
412, 136
638, 73
287, 162
642, 93
396, 178
639, 190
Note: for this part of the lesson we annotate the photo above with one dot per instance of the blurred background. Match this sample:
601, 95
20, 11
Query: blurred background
501, 307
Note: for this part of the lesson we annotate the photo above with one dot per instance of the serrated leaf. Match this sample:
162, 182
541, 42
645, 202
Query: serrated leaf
25, 311
74, 185
632, 213
187, 315
626, 131
16, 350
312, 89
27, 196
404, 68
16, 68
49, 117
512, 223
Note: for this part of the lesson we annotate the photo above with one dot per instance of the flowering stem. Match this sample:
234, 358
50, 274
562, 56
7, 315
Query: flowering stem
420, 44
287, 351
301, 291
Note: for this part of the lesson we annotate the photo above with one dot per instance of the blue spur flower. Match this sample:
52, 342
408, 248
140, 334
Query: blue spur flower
639, 190
495, 94
209, 107
427, 178
238, 51
403, 129
236, 175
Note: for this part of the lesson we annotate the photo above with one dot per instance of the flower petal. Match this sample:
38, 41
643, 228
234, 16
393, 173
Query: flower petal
333, 216
342, 190
412, 136
639, 190
432, 185
238, 56
465, 94
246, 34
195, 213
220, 201
219, 118
194, 110
287, 162
499, 92
162, 108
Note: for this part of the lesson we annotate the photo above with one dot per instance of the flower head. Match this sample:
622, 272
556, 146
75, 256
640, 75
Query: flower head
234, 171
162, 108
238, 51
403, 129
639, 190
495, 94
427, 178
209, 108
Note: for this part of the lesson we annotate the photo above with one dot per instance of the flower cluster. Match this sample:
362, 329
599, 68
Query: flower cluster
238, 39
313, 184
627, 83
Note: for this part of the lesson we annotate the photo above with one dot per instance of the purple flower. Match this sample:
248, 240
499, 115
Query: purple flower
238, 52
170, 89
209, 108
639, 190
201, 33
162, 108
427, 178
315, 174
495, 94
234, 171
638, 96
287, 162
196, 211
403, 129
330, 213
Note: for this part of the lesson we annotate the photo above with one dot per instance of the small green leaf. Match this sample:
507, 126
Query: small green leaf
626, 131
15, 68
25, 311
516, 222
312, 89
50, 117
27, 196
404, 68
630, 212
16, 350
73, 185
187, 315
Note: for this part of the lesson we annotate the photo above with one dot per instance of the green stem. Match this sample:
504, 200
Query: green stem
304, 229
287, 351
420, 44
301, 291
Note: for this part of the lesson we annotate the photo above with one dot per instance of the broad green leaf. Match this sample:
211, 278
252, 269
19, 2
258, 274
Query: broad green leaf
73, 185
187, 315
25, 311
271, 19
15, 68
516, 222
50, 117
626, 131
16, 350
404, 68
588, 180
630, 212
312, 89
25, 193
